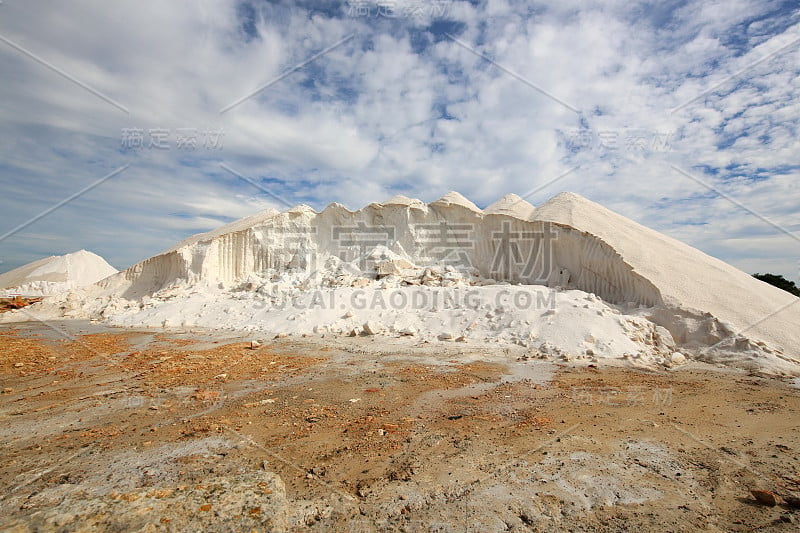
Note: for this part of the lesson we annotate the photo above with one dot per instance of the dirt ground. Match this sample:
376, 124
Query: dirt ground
139, 430
16, 302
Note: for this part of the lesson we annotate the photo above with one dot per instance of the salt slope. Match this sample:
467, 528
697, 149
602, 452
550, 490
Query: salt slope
708, 299
568, 242
55, 274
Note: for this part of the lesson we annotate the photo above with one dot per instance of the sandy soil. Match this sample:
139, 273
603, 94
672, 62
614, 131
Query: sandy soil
111, 429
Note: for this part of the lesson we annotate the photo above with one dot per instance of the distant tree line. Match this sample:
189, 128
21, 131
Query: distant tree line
780, 282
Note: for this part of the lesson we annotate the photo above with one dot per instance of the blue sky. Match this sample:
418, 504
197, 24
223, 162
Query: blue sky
680, 115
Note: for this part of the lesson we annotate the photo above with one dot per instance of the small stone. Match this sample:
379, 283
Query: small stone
372, 328
19, 365
8, 390
254, 345
280, 335
793, 501
677, 358
766, 497
392, 267
348, 314
461, 338
663, 337
221, 376
410, 331
445, 336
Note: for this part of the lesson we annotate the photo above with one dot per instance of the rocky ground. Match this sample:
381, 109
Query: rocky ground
118, 429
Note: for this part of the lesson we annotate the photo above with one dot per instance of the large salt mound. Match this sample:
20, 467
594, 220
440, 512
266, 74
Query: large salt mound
709, 308
55, 274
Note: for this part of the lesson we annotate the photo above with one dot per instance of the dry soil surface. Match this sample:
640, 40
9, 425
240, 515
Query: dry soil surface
137, 430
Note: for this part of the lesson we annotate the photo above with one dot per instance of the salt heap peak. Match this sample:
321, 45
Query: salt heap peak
399, 199
336, 207
300, 209
455, 198
513, 206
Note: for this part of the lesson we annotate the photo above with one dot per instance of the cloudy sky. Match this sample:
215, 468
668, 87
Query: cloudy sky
127, 126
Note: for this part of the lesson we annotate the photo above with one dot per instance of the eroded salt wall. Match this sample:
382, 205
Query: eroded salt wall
500, 247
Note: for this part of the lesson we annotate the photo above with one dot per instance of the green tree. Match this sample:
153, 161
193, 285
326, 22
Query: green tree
780, 282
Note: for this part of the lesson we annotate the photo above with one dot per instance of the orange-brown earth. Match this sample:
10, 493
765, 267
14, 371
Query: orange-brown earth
136, 430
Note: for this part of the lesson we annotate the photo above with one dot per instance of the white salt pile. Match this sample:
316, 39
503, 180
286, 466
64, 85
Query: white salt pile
568, 279
55, 274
